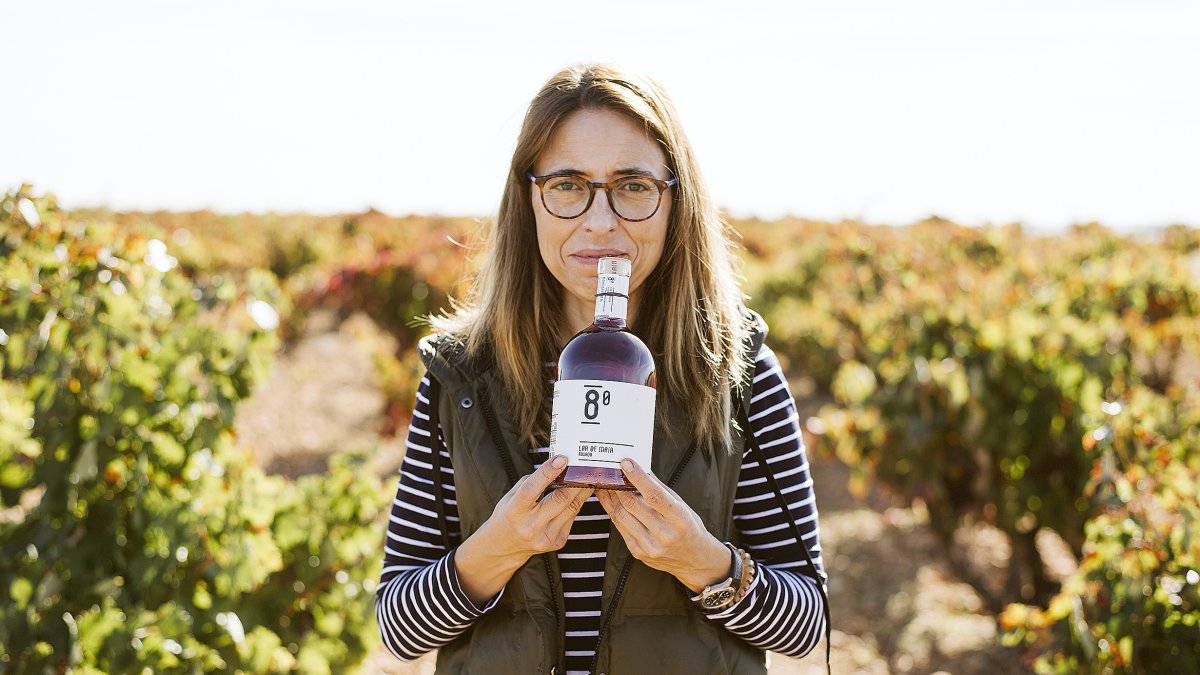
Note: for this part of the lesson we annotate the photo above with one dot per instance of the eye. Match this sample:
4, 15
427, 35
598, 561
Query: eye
564, 185
636, 185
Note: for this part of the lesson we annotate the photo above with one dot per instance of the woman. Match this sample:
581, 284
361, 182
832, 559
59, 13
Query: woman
698, 572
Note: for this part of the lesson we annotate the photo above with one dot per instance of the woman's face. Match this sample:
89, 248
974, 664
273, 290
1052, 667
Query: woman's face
601, 146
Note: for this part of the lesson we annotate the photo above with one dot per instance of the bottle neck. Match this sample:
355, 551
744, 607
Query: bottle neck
612, 300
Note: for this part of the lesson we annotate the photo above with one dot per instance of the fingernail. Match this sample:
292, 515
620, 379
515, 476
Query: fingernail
558, 461
627, 464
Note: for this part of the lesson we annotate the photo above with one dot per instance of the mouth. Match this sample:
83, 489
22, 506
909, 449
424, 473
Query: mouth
592, 255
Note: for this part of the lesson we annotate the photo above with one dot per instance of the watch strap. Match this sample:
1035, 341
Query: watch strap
722, 594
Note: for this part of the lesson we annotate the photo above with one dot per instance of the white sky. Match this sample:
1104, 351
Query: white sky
1046, 112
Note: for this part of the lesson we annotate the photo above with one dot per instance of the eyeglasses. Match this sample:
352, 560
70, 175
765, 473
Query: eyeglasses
633, 198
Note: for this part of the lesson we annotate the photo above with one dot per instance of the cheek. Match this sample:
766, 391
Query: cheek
657, 236
651, 243
550, 242
543, 229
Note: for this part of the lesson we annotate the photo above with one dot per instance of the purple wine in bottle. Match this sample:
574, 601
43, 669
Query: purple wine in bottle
603, 408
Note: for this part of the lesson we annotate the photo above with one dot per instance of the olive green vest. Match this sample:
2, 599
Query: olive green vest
654, 627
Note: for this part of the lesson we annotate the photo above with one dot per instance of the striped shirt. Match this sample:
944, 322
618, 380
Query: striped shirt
421, 606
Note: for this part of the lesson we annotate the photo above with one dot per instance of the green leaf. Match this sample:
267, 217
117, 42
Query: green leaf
20, 590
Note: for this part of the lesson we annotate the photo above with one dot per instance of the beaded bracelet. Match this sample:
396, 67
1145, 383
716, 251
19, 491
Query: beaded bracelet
749, 571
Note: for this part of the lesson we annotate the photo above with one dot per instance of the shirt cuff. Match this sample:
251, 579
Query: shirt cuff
460, 595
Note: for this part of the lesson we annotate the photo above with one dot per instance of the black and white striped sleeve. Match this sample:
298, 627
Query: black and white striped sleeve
420, 604
782, 611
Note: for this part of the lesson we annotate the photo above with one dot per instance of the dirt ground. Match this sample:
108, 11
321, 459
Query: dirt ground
897, 606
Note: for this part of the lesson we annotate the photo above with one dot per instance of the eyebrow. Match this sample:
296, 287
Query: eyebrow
629, 171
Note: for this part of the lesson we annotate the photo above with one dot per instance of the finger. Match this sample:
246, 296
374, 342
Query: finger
631, 528
539, 480
513, 491
565, 496
559, 527
561, 523
561, 501
659, 497
638, 508
635, 535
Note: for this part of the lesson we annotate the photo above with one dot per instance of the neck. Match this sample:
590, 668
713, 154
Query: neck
577, 315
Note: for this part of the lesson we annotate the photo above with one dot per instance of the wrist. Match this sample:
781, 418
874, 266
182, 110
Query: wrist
484, 568
496, 552
718, 567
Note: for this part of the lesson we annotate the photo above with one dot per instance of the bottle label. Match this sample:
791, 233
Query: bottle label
598, 422
612, 296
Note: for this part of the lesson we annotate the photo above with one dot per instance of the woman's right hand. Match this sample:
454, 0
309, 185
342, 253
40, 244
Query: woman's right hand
522, 525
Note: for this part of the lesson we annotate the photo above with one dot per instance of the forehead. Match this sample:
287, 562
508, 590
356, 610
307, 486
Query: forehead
599, 142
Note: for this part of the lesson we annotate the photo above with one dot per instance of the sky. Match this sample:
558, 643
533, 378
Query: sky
1046, 113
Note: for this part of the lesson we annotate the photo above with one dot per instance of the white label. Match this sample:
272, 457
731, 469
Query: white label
598, 423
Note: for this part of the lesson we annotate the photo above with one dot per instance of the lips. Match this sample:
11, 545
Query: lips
591, 255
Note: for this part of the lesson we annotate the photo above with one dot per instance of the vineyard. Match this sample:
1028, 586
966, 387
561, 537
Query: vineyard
1033, 385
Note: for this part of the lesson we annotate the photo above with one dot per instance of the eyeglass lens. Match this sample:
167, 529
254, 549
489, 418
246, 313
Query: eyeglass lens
633, 198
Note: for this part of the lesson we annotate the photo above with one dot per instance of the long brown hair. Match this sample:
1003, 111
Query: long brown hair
514, 309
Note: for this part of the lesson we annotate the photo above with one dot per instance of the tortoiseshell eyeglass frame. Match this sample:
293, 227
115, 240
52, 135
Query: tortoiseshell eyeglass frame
662, 186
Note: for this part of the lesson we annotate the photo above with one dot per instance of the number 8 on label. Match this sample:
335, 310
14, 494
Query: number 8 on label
592, 402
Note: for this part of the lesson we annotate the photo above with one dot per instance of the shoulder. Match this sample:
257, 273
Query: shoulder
754, 331
754, 335
443, 345
447, 358
754, 320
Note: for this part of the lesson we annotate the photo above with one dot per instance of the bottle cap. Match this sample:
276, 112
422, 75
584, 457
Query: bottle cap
614, 265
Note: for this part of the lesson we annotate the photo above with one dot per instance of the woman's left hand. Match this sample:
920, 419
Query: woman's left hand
662, 531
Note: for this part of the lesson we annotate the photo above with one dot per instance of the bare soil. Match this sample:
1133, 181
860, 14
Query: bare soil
897, 606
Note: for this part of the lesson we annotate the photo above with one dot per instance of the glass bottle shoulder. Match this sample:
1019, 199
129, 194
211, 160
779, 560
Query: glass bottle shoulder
601, 352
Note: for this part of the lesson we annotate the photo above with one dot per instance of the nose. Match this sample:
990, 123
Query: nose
600, 217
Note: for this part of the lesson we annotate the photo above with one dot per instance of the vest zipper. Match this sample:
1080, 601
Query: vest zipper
511, 470
435, 452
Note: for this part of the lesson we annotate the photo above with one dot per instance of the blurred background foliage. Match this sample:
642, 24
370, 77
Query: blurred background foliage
135, 533
1031, 382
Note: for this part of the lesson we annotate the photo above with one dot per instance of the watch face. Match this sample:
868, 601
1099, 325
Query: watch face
718, 598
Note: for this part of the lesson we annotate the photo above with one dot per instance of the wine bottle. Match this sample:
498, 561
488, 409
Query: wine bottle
603, 406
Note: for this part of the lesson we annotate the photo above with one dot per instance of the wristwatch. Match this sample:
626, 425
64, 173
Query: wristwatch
722, 593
